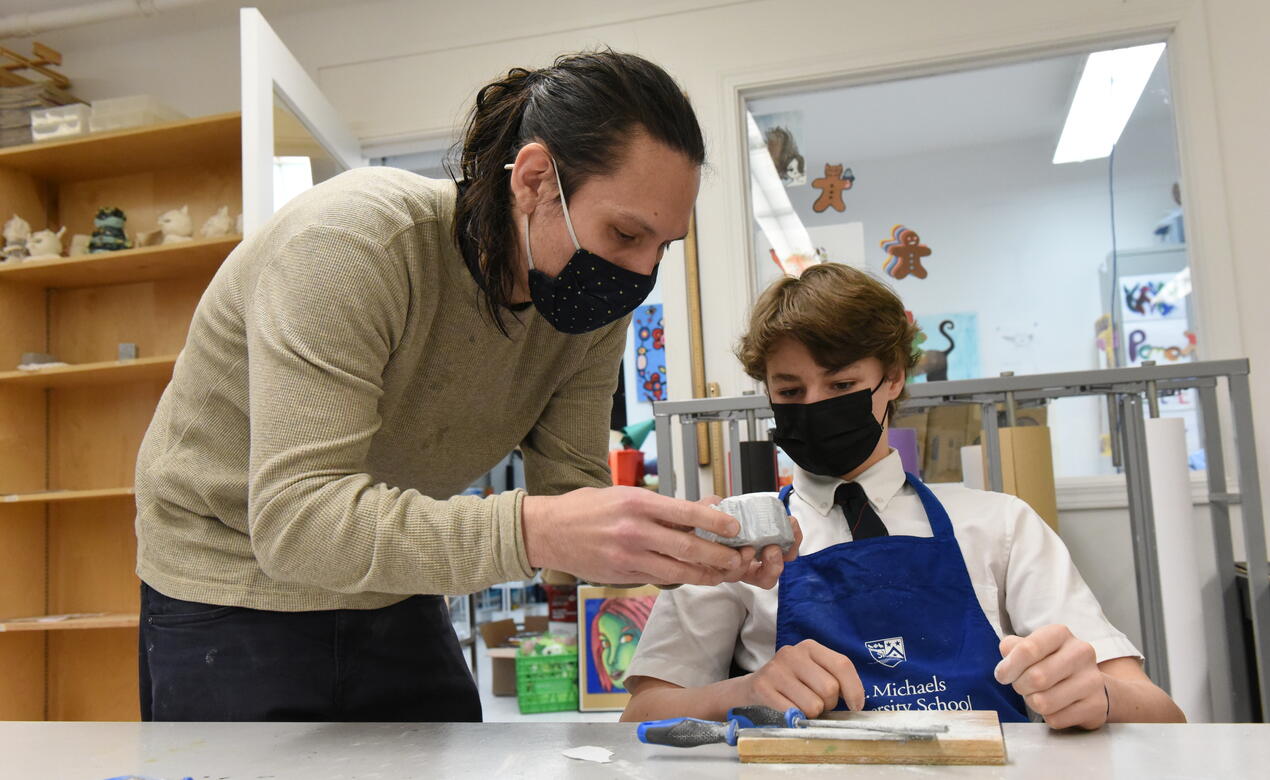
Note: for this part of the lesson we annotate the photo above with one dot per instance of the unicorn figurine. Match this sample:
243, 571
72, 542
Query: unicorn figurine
45, 245
217, 225
176, 225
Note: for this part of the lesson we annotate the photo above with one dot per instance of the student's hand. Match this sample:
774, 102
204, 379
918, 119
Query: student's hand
1057, 675
808, 676
765, 570
628, 535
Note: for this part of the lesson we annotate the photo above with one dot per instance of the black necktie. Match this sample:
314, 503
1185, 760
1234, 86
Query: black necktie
861, 519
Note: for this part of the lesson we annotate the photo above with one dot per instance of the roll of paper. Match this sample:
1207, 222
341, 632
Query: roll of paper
1182, 573
904, 441
972, 467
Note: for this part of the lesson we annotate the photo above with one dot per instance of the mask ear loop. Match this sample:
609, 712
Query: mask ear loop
564, 205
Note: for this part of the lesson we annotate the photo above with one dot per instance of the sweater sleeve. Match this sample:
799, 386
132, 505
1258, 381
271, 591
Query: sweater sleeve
324, 317
568, 446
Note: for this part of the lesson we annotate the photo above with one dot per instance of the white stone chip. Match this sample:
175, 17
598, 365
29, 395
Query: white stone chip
589, 753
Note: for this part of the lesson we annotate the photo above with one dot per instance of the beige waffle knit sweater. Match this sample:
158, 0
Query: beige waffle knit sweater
340, 384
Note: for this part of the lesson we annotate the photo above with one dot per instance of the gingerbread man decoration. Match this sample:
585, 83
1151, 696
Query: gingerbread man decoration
906, 252
835, 182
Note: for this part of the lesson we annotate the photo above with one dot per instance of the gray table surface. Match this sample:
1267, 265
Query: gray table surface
325, 751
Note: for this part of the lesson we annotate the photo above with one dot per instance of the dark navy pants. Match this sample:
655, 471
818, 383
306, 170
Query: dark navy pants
204, 662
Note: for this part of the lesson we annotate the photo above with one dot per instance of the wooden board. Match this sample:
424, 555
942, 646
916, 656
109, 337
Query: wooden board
96, 155
94, 434
22, 681
88, 325
199, 257
23, 589
86, 623
93, 675
108, 372
1027, 469
973, 738
93, 558
59, 496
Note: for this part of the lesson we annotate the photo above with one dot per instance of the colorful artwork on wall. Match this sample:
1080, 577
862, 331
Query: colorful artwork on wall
950, 347
610, 624
781, 132
1155, 326
650, 353
904, 252
836, 181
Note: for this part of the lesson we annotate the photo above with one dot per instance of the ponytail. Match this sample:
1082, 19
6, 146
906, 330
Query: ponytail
584, 108
483, 216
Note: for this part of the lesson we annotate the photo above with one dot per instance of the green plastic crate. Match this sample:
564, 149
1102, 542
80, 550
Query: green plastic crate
547, 683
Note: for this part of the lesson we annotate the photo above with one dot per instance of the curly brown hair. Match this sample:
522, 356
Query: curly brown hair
840, 314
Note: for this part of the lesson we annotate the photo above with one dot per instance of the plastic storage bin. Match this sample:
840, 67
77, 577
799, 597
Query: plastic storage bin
134, 111
50, 124
547, 683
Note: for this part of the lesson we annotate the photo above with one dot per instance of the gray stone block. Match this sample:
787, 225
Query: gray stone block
763, 521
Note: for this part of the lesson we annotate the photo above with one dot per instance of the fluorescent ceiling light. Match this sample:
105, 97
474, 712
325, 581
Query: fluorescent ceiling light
1108, 91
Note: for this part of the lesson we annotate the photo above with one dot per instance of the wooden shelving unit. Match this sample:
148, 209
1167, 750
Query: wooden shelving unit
69, 435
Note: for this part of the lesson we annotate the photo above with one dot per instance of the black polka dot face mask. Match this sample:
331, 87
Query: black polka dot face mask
589, 292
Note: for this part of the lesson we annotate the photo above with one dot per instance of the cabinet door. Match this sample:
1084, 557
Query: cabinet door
292, 136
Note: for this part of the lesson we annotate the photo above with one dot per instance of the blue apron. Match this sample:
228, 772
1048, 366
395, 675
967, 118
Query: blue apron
903, 610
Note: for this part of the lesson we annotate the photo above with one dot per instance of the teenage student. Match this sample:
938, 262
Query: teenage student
904, 596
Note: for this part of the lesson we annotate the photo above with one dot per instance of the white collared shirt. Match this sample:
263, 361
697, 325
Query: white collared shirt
1021, 572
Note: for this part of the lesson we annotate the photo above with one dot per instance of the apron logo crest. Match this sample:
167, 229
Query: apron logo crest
888, 652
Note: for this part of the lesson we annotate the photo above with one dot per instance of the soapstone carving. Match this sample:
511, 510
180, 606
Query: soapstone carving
763, 521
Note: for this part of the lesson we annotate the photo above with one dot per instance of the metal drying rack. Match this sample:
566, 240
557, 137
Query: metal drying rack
1128, 393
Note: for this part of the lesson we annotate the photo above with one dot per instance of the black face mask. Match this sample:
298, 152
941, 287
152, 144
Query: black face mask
589, 292
830, 437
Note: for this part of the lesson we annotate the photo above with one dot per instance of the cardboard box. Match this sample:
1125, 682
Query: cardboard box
502, 657
918, 422
948, 429
1027, 469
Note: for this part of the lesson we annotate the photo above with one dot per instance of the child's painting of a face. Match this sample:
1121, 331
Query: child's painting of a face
618, 638
611, 622
614, 629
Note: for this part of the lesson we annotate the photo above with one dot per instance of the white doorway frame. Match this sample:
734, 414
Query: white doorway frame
268, 69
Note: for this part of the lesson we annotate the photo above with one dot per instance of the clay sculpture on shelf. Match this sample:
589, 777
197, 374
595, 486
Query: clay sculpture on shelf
108, 231
45, 244
217, 225
17, 232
